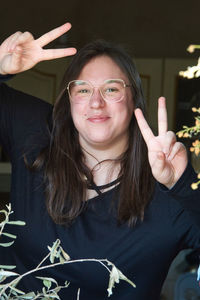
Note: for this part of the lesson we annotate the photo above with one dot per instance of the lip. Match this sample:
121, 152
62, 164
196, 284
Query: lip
98, 119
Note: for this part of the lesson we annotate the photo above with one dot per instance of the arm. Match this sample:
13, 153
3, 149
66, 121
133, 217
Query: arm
18, 53
169, 164
21, 51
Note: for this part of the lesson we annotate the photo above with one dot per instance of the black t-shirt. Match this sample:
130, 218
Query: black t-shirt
143, 253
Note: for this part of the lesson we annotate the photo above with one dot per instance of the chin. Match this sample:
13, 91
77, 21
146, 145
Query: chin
98, 137
98, 141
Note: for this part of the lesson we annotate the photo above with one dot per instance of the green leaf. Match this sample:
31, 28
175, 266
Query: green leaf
7, 267
53, 296
53, 250
48, 279
30, 295
62, 260
12, 236
58, 252
6, 244
2, 278
47, 283
65, 255
16, 290
20, 223
57, 289
7, 273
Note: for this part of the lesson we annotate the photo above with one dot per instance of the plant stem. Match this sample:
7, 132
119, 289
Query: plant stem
101, 261
45, 258
78, 294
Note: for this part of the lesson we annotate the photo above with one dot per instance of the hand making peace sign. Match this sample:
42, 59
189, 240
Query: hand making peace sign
21, 51
167, 157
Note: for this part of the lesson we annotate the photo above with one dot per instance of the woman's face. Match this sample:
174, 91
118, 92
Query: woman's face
101, 124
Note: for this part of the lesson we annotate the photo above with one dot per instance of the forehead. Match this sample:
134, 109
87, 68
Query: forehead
101, 68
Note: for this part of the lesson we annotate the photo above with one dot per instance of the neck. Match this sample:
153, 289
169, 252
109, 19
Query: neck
102, 159
98, 153
105, 173
104, 164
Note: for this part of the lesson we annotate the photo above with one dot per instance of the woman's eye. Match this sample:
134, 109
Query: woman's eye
83, 91
111, 90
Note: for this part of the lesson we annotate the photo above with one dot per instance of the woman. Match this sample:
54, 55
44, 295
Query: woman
90, 165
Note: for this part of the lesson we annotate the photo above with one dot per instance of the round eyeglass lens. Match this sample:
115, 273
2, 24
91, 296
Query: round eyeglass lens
113, 90
80, 90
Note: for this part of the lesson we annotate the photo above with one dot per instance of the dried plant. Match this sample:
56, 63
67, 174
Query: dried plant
56, 256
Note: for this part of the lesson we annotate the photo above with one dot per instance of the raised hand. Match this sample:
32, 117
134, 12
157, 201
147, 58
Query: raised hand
21, 51
167, 157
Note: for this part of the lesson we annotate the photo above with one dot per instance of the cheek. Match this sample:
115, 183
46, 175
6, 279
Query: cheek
126, 109
125, 114
77, 112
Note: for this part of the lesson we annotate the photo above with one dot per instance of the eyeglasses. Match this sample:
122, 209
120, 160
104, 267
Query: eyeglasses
112, 90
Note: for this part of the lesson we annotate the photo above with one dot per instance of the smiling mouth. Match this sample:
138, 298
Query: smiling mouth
98, 119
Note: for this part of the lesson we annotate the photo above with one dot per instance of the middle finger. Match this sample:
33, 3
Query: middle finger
162, 116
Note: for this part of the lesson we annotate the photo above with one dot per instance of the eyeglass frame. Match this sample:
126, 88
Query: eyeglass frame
110, 79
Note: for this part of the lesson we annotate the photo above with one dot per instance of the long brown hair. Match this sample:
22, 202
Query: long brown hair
64, 167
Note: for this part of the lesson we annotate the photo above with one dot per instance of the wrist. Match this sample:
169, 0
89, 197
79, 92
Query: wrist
2, 72
170, 183
170, 186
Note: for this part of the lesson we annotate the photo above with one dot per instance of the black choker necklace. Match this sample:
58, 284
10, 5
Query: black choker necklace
98, 188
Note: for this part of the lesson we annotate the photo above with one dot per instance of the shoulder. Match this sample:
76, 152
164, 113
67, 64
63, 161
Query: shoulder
24, 119
21, 109
11, 96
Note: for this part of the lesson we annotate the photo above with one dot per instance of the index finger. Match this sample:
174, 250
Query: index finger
53, 34
143, 125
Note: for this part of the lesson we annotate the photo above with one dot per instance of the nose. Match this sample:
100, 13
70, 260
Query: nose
96, 100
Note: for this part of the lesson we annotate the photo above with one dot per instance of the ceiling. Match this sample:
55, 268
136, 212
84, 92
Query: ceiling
147, 28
